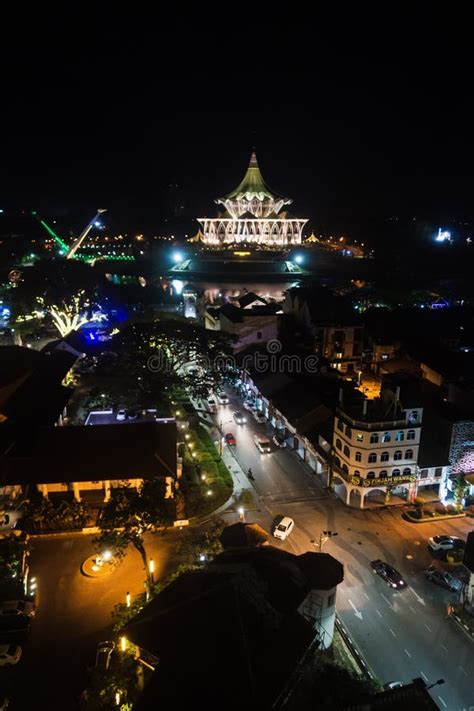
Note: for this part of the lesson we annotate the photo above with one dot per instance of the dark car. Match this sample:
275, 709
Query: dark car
444, 579
132, 415
230, 439
391, 576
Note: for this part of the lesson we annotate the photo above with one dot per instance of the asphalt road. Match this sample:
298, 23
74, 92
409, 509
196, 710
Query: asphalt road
402, 635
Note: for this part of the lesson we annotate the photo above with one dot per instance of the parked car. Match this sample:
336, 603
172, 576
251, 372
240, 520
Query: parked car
239, 418
262, 443
9, 654
444, 579
391, 576
284, 528
19, 607
259, 416
212, 405
132, 415
222, 398
230, 439
392, 685
249, 405
121, 415
279, 440
103, 654
445, 543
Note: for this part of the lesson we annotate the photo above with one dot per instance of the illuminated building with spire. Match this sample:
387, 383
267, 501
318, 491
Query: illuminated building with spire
252, 215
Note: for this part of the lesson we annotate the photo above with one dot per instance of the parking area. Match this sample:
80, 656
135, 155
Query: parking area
119, 416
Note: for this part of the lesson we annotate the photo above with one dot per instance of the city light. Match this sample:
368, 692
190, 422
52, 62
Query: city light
443, 236
177, 257
298, 259
128, 599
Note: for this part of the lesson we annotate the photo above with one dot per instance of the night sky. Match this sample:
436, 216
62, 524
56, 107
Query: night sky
356, 118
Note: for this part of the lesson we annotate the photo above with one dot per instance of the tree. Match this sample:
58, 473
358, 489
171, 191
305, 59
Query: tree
129, 515
171, 354
459, 490
70, 313
203, 543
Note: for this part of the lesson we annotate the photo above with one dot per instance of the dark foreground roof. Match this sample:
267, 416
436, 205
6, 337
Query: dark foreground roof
67, 454
230, 635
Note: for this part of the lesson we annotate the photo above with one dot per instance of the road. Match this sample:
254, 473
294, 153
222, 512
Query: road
402, 635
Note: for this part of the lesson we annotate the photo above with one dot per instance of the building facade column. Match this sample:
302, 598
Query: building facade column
75, 488
106, 490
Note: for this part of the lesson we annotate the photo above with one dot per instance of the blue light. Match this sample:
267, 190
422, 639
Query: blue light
298, 259
177, 257
443, 236
97, 223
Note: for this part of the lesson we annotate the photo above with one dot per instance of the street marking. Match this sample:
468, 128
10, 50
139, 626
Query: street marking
443, 702
392, 631
386, 600
424, 676
428, 627
407, 653
445, 648
412, 609
420, 599
356, 611
463, 671
368, 598
378, 613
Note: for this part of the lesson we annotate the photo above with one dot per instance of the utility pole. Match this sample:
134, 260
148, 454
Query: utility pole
324, 536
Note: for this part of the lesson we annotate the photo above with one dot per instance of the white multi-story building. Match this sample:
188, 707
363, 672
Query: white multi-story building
375, 449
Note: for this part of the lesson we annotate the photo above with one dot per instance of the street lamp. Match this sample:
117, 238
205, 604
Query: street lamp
436, 683
242, 514
128, 599
151, 568
123, 643
324, 536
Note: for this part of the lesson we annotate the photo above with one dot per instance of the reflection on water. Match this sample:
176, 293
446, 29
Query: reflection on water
220, 293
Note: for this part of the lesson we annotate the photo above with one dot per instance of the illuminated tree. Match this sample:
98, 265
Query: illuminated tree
70, 315
129, 515
459, 490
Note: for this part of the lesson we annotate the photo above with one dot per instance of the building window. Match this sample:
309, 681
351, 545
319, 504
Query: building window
360, 437
398, 454
348, 432
383, 473
423, 473
396, 472
370, 475
384, 457
345, 468
374, 438
340, 425
438, 471
259, 335
356, 472
331, 599
411, 434
407, 471
337, 462
358, 457
413, 416
386, 437
338, 444
372, 457
347, 451
400, 436
409, 454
